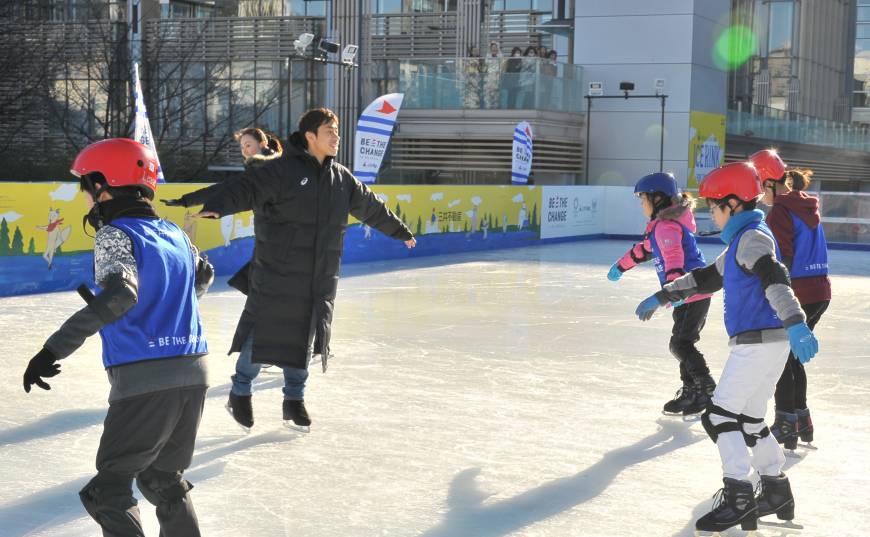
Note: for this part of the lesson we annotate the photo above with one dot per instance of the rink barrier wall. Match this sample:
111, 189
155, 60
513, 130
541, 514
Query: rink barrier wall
43, 247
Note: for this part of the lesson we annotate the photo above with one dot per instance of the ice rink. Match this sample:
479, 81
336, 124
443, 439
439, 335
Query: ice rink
509, 392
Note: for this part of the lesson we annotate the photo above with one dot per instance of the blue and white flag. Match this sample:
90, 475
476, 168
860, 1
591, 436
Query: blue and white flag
373, 132
141, 127
522, 156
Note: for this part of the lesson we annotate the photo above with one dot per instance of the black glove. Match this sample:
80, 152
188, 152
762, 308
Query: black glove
174, 203
41, 365
204, 273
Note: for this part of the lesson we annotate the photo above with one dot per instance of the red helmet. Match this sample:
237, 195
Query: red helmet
768, 164
738, 179
122, 161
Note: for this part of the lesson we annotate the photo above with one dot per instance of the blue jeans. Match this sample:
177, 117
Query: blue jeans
247, 371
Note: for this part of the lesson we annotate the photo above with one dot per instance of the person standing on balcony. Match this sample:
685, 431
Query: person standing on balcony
471, 75
550, 71
492, 78
513, 67
796, 224
301, 202
528, 77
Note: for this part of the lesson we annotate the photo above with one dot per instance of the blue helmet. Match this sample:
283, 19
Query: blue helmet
657, 182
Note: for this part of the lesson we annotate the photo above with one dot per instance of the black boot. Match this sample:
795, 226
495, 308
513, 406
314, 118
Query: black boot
784, 429
295, 411
703, 389
775, 497
683, 399
242, 411
804, 424
734, 504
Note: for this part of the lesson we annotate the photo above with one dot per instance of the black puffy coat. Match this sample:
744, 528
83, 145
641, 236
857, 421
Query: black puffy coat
300, 217
241, 279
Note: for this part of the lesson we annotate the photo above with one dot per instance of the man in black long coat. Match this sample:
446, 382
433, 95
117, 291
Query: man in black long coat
301, 203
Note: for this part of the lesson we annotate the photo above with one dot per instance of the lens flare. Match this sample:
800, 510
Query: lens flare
736, 45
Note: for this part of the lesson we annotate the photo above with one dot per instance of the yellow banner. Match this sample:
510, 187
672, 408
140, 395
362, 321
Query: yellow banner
46, 218
706, 145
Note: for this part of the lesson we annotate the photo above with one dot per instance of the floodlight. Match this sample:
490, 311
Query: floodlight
302, 42
348, 54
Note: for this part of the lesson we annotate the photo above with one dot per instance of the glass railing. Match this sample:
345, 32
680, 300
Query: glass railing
845, 216
773, 124
482, 83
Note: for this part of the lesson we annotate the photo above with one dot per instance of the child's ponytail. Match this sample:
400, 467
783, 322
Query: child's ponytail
800, 179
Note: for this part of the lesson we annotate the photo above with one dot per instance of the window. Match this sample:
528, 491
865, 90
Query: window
306, 8
412, 6
781, 28
386, 6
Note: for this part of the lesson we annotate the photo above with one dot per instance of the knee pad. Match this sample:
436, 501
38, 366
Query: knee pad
107, 491
160, 487
753, 429
732, 422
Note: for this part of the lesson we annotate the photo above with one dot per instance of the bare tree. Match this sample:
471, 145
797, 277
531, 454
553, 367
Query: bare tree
194, 101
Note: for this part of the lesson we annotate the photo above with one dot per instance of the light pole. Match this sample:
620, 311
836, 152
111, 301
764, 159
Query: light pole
325, 47
626, 96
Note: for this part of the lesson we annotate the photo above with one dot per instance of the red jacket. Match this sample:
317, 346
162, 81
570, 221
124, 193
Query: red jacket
808, 290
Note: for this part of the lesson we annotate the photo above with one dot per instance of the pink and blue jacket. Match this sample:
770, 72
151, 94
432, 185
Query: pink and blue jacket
669, 240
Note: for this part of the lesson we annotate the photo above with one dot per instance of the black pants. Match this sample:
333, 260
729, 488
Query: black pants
689, 320
791, 390
149, 438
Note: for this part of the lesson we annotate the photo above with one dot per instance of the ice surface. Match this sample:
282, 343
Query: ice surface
510, 392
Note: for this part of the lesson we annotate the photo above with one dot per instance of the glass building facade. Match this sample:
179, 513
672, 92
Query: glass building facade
861, 84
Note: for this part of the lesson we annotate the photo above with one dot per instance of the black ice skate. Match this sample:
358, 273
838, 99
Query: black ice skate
734, 504
239, 407
683, 399
784, 429
775, 497
703, 388
295, 416
691, 398
805, 426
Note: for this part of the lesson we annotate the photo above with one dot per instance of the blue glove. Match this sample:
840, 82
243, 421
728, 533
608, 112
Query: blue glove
803, 343
614, 274
646, 308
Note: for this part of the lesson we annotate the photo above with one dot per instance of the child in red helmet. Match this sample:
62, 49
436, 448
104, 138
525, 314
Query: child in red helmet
796, 223
147, 315
763, 319
669, 240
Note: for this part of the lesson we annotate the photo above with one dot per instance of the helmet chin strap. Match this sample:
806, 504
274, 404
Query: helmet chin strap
94, 217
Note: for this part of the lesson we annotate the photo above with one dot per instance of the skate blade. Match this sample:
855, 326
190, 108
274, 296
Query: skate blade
297, 428
808, 446
704, 533
792, 454
230, 411
786, 525
684, 417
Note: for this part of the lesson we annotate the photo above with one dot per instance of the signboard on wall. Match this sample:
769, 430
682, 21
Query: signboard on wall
568, 211
706, 145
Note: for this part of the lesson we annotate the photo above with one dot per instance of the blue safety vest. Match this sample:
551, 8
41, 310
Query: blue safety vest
746, 306
692, 256
810, 250
165, 321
